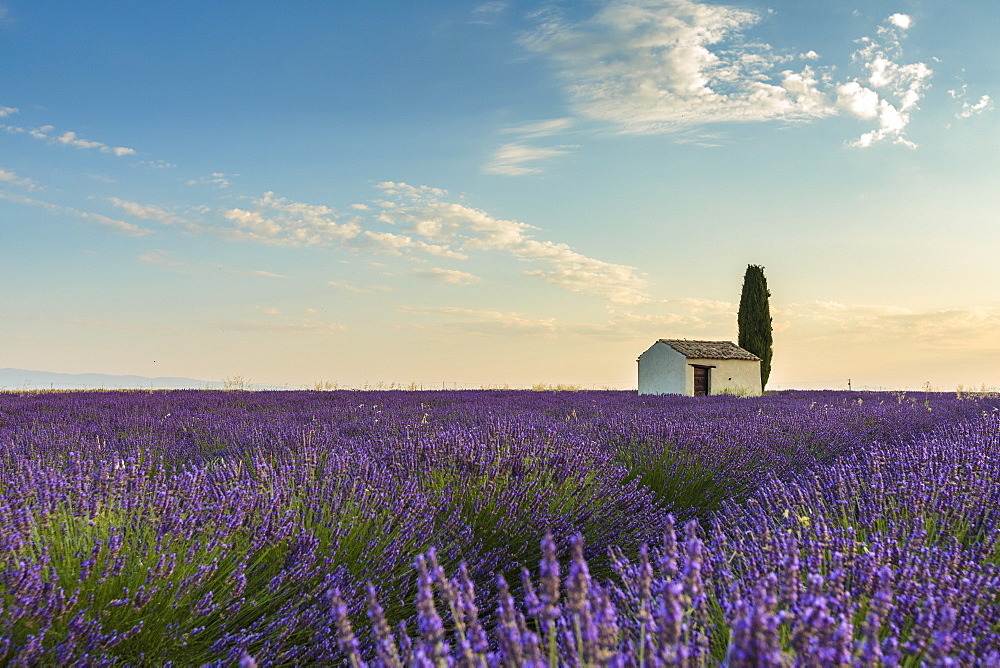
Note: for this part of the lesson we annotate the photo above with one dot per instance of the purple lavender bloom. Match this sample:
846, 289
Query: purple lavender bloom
849, 530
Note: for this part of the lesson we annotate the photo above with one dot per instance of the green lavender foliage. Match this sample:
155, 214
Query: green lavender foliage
754, 319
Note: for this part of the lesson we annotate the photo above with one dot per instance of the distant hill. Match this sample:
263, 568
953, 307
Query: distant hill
24, 379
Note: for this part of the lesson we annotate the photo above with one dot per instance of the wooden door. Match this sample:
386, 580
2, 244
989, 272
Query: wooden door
701, 381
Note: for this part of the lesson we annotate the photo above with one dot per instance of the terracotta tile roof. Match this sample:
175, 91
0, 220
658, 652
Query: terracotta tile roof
711, 350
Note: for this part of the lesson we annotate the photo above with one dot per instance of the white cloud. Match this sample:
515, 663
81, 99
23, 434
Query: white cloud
451, 276
903, 21
68, 138
405, 189
118, 225
428, 224
424, 213
277, 221
509, 159
71, 139
985, 103
394, 244
857, 100
41, 132
144, 212
906, 82
7, 111
802, 88
903, 84
663, 65
970, 109
118, 150
892, 122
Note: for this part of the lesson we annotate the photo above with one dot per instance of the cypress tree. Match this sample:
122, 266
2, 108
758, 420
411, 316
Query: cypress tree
754, 319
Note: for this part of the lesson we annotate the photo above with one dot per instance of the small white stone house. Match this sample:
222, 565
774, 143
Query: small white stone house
698, 368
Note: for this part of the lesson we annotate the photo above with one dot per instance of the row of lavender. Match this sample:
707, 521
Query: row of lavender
202, 527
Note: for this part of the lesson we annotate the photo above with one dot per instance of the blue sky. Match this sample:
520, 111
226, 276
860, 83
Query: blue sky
497, 192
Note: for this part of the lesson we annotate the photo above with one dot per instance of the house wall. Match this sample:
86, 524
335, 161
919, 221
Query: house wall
663, 370
740, 377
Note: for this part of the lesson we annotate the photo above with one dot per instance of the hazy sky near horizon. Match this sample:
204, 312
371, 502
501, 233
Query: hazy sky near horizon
490, 193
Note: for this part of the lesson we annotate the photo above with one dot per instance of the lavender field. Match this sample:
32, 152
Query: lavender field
499, 528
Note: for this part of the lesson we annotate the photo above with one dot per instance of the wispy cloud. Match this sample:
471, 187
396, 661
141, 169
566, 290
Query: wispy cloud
7, 111
486, 322
620, 326
449, 276
162, 258
360, 289
166, 260
488, 12
10, 178
67, 138
157, 164
276, 321
253, 272
972, 328
509, 159
422, 223
112, 223
144, 211
217, 179
541, 128
425, 223
426, 214
800, 327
